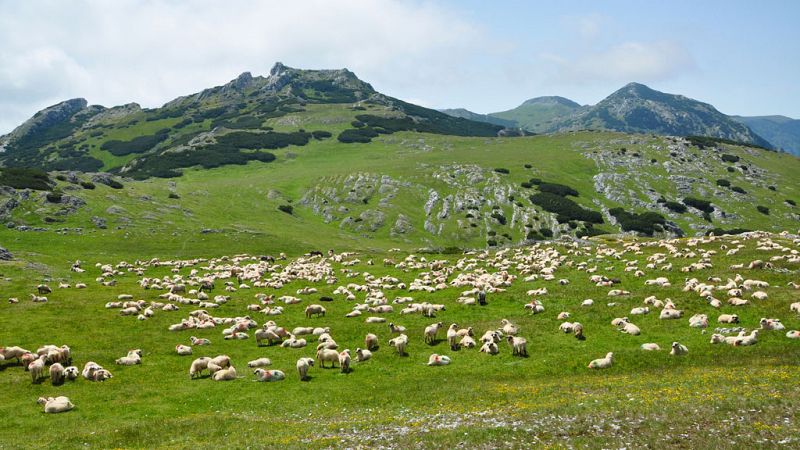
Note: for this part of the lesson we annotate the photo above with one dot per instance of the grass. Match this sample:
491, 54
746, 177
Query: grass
717, 396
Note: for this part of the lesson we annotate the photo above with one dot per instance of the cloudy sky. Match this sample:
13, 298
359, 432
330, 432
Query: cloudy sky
487, 56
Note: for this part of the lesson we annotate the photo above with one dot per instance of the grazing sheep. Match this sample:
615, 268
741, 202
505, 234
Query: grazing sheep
678, 349
269, 375
363, 355
400, 343
650, 346
344, 360
371, 341
268, 335
438, 360
13, 352
198, 366
183, 350
260, 362
430, 332
36, 368
226, 374
55, 405
57, 374
602, 363
728, 318
315, 310
771, 324
326, 354
519, 345
303, 364
452, 335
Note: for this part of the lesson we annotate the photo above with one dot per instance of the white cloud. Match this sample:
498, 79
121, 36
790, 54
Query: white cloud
152, 51
629, 61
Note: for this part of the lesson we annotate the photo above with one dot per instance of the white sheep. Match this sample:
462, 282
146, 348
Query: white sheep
400, 343
602, 363
396, 329
669, 313
198, 366
260, 362
199, 341
728, 318
678, 349
373, 319
750, 339
55, 405
490, 347
640, 311
430, 332
508, 328
131, 359
631, 329
795, 307
344, 360
226, 374
771, 324
452, 336
269, 375
793, 334
303, 364
518, 345
183, 350
36, 368
650, 346
315, 310
327, 355
57, 374
71, 373
363, 355
438, 360
467, 342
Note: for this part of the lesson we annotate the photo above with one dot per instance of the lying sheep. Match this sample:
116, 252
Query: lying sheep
771, 324
183, 350
793, 334
396, 329
363, 355
226, 374
750, 339
260, 362
640, 311
698, 321
293, 342
508, 328
71, 373
438, 360
566, 327
678, 349
131, 359
467, 342
602, 363
400, 343
577, 330
650, 346
490, 347
55, 405
667, 314
518, 345
728, 318
795, 307
303, 364
269, 375
199, 341
630, 328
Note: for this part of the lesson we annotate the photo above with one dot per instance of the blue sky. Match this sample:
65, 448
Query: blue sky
742, 57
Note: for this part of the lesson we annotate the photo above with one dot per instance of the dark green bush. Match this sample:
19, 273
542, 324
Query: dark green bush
528, 166
502, 170
24, 178
702, 205
526, 185
54, 197
535, 181
772, 188
646, 223
138, 144
173, 195
321, 134
546, 232
729, 158
114, 184
361, 135
731, 169
763, 209
491, 243
565, 208
499, 217
558, 189
87, 185
288, 209
791, 202
679, 208
723, 182
738, 189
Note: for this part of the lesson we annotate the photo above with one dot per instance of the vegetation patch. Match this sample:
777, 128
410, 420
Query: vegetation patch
565, 208
763, 209
702, 205
646, 223
138, 144
679, 208
25, 178
557, 189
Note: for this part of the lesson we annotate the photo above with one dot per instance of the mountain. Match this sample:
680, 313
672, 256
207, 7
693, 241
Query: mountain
538, 114
217, 126
636, 108
781, 131
467, 114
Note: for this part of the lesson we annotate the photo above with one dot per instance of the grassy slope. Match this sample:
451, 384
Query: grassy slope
732, 394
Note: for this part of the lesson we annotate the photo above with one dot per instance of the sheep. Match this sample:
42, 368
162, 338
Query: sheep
269, 335
617, 322
325, 354
535, 306
602, 363
183, 350
199, 341
630, 328
698, 321
198, 366
293, 342
771, 324
396, 329
373, 319
400, 343
736, 301
588, 302
795, 307
438, 360
57, 374
36, 368
13, 352
371, 341
563, 315
303, 364
71, 373
577, 330
55, 405
269, 375
759, 295
452, 334
301, 331
489, 347
669, 313
226, 374
344, 360
566, 327
793, 334
467, 342
750, 339
728, 318
508, 328
363, 355
518, 345
430, 332
650, 346
260, 362
640, 311
101, 375
315, 310
131, 359
678, 349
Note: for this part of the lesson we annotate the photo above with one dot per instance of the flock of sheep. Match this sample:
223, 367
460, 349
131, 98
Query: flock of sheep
478, 276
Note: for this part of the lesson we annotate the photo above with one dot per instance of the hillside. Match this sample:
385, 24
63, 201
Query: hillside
781, 131
467, 114
539, 114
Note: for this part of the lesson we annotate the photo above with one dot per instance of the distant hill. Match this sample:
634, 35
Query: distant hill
781, 131
539, 114
467, 114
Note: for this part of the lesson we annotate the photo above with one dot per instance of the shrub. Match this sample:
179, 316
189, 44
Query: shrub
535, 181
565, 208
499, 217
679, 208
558, 189
114, 184
138, 144
707, 216
321, 134
288, 209
738, 189
492, 233
173, 195
24, 178
526, 185
653, 160
763, 209
491, 243
702, 205
87, 185
528, 166
534, 236
54, 197
729, 158
731, 169
772, 188
546, 232
502, 170
361, 135
723, 182
791, 202
647, 222
61, 177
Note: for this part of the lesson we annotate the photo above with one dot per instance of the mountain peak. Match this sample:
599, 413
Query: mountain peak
551, 100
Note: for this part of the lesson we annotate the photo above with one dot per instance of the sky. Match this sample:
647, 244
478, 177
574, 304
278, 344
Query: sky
741, 56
